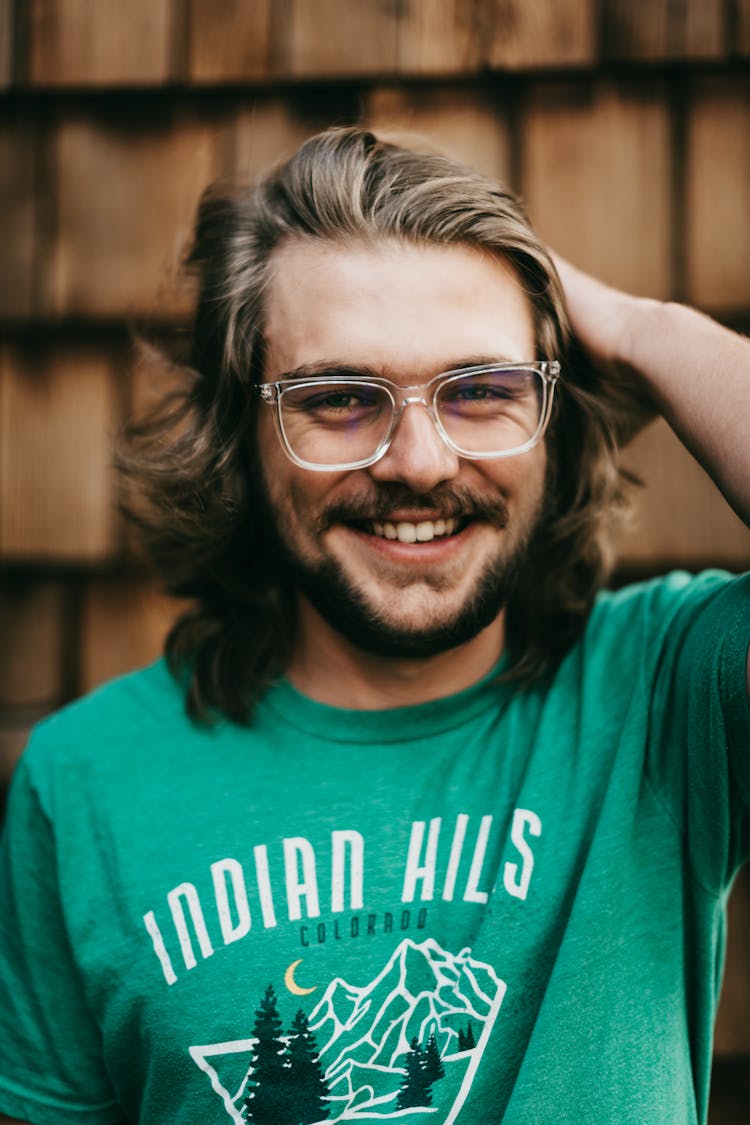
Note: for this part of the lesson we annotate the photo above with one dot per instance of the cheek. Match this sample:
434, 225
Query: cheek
285, 483
297, 493
297, 497
267, 441
520, 478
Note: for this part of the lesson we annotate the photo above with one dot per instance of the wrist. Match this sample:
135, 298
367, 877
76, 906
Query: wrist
642, 319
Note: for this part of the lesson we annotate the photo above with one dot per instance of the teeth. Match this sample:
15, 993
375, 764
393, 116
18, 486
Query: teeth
407, 532
422, 532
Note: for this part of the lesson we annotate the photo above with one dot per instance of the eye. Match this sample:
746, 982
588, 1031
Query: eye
480, 391
334, 403
486, 389
341, 399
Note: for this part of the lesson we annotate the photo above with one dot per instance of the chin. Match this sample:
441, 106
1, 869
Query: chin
401, 642
428, 630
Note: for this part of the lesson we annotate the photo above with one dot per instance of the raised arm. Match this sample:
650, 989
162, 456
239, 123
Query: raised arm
696, 372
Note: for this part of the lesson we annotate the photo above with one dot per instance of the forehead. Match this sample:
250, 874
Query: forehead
400, 308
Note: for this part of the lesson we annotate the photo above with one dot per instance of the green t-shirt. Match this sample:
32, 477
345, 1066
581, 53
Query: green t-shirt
503, 905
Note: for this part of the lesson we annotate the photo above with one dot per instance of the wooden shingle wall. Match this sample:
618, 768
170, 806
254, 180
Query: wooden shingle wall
624, 124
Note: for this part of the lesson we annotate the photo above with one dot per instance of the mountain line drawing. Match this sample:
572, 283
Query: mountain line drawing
367, 1036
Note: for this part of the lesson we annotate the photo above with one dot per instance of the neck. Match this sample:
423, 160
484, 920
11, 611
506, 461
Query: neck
328, 668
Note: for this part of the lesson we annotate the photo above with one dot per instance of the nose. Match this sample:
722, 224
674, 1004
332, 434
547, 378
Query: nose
417, 456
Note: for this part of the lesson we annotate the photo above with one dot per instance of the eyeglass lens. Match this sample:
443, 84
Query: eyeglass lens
341, 422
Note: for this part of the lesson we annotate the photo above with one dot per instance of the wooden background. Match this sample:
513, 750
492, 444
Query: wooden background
624, 124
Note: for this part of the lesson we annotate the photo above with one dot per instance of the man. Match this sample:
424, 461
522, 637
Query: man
447, 835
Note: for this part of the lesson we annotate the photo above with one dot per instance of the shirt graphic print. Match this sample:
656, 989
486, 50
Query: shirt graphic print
392, 1048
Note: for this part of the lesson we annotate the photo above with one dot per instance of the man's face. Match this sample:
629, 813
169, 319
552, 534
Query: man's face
406, 312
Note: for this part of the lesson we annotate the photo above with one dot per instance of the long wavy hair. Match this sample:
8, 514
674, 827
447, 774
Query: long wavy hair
193, 481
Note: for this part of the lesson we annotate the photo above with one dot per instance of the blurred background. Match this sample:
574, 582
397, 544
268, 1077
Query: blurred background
623, 124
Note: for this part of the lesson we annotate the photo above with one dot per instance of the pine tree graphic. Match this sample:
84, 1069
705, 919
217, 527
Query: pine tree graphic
306, 1074
269, 1101
433, 1064
466, 1041
423, 1068
415, 1089
287, 1086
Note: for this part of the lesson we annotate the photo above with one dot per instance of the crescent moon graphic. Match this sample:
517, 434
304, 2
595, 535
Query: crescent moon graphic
291, 983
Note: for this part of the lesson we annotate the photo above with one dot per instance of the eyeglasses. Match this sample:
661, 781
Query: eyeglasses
348, 422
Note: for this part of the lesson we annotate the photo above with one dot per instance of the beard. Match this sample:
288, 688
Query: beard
346, 608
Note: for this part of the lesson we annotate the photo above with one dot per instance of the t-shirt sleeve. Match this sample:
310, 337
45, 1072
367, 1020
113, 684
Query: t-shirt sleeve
51, 1066
699, 752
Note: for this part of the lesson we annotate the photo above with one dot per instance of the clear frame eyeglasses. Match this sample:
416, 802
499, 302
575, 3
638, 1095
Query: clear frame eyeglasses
344, 421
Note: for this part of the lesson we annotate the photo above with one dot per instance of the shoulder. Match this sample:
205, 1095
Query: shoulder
119, 726
632, 630
138, 699
655, 606
649, 640
681, 623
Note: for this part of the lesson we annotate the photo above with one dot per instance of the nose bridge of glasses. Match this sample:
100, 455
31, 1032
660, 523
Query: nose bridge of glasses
427, 447
416, 451
412, 400
406, 399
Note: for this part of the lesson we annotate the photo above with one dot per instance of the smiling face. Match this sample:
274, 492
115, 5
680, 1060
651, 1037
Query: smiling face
416, 553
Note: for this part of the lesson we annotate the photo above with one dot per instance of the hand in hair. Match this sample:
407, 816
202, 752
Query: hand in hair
601, 318
680, 362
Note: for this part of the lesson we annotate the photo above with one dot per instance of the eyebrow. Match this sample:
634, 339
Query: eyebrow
335, 369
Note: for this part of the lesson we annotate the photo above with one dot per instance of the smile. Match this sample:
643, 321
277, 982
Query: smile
422, 532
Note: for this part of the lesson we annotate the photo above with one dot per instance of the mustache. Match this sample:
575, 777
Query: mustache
448, 502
